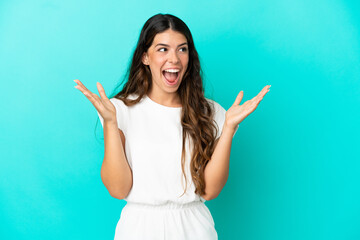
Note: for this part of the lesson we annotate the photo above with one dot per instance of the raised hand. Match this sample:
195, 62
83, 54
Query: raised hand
237, 113
102, 104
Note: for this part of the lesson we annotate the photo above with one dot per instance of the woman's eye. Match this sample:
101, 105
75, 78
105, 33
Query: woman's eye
184, 49
162, 49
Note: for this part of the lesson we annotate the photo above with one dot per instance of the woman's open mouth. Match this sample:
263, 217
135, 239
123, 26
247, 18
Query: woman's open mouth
171, 76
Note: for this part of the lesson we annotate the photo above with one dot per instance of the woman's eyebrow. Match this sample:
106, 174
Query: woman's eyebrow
163, 44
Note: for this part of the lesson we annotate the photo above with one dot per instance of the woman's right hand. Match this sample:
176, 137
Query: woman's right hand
102, 104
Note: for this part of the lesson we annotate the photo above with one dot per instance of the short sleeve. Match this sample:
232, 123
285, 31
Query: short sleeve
219, 117
120, 113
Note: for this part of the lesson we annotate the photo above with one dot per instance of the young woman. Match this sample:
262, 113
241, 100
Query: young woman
167, 147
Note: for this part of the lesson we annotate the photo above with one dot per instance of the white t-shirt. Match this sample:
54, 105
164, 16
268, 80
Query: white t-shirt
153, 144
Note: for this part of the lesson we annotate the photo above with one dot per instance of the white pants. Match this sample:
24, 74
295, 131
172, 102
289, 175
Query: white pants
171, 221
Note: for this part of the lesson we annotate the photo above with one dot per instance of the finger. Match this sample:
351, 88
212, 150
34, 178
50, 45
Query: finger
101, 91
87, 93
80, 83
93, 98
82, 87
262, 93
239, 98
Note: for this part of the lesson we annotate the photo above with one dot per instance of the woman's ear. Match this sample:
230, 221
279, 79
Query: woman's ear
145, 59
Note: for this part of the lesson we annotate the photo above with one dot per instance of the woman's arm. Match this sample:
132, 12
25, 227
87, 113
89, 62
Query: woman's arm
217, 170
116, 173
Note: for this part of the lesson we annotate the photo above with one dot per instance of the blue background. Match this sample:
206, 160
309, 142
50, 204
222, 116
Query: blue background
294, 168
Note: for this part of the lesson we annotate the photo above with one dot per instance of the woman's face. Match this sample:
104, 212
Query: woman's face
168, 59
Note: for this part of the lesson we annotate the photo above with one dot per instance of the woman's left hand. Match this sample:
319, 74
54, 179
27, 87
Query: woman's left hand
237, 113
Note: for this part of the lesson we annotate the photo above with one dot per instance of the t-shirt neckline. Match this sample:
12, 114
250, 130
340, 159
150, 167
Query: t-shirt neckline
160, 105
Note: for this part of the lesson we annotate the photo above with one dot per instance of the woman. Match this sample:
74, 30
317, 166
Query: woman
167, 147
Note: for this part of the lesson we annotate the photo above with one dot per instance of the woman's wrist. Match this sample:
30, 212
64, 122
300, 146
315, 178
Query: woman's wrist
110, 123
228, 130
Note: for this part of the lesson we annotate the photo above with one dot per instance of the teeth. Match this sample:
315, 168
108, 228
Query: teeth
172, 70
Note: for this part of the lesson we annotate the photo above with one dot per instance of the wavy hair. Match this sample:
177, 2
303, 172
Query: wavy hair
197, 113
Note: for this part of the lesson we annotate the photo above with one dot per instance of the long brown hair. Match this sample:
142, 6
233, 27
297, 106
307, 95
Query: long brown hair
197, 113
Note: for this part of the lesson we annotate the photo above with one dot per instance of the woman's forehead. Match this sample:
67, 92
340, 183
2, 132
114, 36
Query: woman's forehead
169, 37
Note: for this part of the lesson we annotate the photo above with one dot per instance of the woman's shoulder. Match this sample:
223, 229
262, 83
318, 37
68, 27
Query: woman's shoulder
215, 105
118, 101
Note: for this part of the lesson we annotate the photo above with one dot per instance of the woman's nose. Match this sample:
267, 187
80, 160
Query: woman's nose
173, 57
